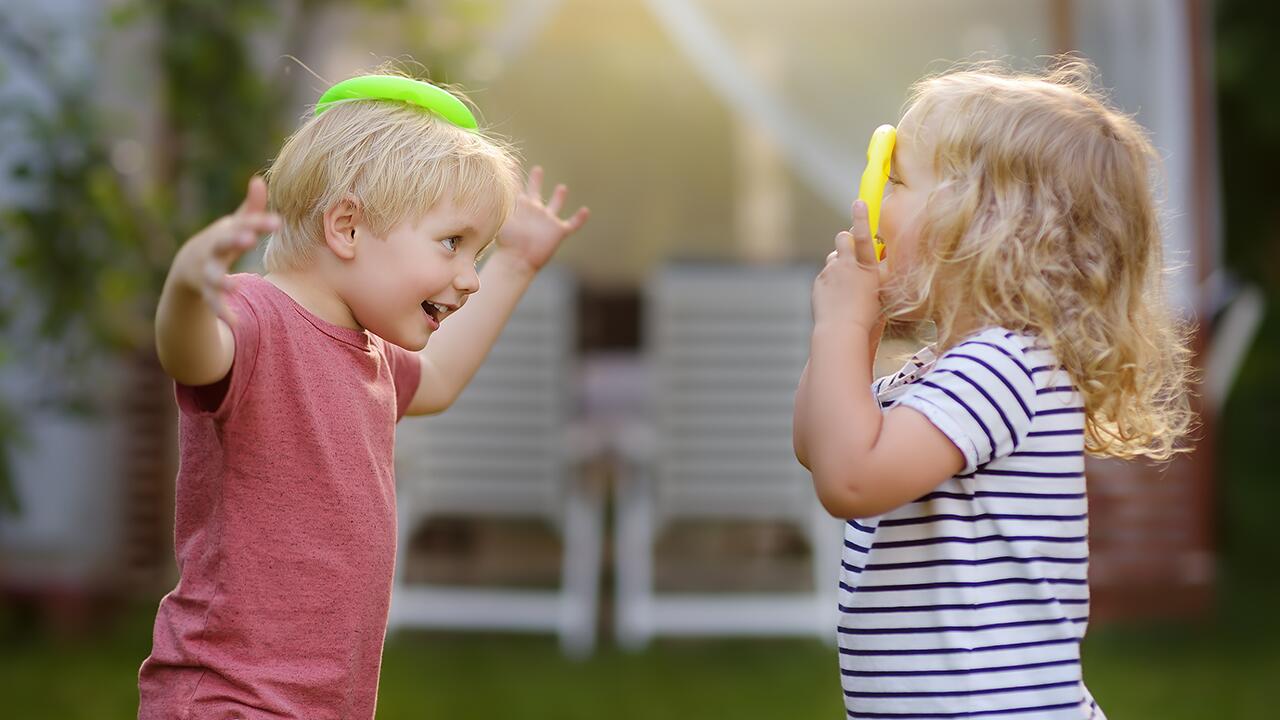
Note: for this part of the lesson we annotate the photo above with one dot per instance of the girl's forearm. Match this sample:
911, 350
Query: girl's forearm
800, 420
841, 421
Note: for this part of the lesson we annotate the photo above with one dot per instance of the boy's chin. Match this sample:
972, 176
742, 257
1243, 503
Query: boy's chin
415, 344
412, 341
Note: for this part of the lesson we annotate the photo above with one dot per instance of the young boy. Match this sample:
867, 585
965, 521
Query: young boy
290, 385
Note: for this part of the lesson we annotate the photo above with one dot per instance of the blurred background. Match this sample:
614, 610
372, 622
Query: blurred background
609, 523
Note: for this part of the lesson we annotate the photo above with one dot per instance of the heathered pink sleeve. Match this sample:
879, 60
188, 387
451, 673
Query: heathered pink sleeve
406, 371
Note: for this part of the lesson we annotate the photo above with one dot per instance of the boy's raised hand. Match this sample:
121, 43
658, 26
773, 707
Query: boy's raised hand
534, 230
203, 261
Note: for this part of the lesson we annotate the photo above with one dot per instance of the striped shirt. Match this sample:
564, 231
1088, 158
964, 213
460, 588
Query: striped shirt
971, 601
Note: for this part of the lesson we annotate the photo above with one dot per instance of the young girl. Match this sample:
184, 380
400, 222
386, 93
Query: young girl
1020, 221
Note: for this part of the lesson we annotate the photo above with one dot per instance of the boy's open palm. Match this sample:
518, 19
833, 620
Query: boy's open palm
204, 261
194, 340
535, 230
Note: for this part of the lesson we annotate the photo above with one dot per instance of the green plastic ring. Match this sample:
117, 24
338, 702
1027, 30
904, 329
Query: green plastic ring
394, 87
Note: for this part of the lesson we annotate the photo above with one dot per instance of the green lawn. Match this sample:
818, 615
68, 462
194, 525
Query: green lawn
1221, 669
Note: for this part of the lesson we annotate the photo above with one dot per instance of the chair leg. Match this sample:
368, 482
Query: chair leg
824, 538
633, 552
405, 524
583, 547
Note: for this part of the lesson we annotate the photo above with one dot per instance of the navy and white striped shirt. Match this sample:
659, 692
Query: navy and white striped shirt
971, 601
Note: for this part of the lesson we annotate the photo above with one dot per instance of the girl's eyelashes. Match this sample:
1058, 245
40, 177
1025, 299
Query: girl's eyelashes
893, 180
451, 243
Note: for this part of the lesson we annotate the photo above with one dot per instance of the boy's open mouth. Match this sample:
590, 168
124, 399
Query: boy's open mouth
436, 311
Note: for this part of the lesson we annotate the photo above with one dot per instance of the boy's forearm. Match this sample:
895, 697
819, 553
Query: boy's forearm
193, 345
841, 422
457, 349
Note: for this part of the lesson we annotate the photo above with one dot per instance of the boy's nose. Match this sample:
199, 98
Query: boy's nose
467, 281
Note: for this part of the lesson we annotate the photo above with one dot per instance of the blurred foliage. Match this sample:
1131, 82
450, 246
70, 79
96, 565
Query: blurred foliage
75, 242
1249, 136
1249, 141
90, 246
93, 245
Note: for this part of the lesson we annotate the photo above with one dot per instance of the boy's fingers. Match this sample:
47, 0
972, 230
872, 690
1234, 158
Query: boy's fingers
557, 199
213, 299
534, 184
215, 275
255, 198
242, 233
579, 218
863, 248
230, 247
259, 224
214, 292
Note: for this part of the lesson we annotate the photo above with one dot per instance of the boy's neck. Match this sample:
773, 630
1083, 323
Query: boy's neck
313, 294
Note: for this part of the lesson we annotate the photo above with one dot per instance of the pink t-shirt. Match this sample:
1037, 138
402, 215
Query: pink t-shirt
285, 526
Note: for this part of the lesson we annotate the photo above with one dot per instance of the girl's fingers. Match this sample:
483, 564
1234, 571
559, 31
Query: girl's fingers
844, 244
863, 248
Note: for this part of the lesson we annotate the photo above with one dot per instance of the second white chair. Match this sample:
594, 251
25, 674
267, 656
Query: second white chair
726, 346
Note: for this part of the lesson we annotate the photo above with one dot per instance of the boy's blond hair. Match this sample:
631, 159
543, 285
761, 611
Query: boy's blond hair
393, 160
1043, 220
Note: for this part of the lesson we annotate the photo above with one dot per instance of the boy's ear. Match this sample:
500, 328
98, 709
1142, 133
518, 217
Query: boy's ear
340, 223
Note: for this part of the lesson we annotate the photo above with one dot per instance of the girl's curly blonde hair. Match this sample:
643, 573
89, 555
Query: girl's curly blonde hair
1044, 221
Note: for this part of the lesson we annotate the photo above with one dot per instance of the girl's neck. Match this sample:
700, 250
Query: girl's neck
962, 326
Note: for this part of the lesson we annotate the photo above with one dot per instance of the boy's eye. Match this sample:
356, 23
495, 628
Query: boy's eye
451, 243
894, 180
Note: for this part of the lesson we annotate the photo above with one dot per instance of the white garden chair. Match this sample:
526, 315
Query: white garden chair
507, 449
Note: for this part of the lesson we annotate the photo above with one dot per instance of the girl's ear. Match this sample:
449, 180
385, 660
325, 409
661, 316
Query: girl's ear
340, 223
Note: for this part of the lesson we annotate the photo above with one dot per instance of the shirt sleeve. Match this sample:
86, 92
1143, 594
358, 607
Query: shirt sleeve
878, 384
979, 394
219, 399
406, 372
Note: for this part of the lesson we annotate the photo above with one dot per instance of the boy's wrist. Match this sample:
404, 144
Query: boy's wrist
183, 273
511, 262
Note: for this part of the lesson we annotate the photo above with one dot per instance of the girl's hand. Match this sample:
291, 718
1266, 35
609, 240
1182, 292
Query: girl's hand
534, 230
847, 291
202, 263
